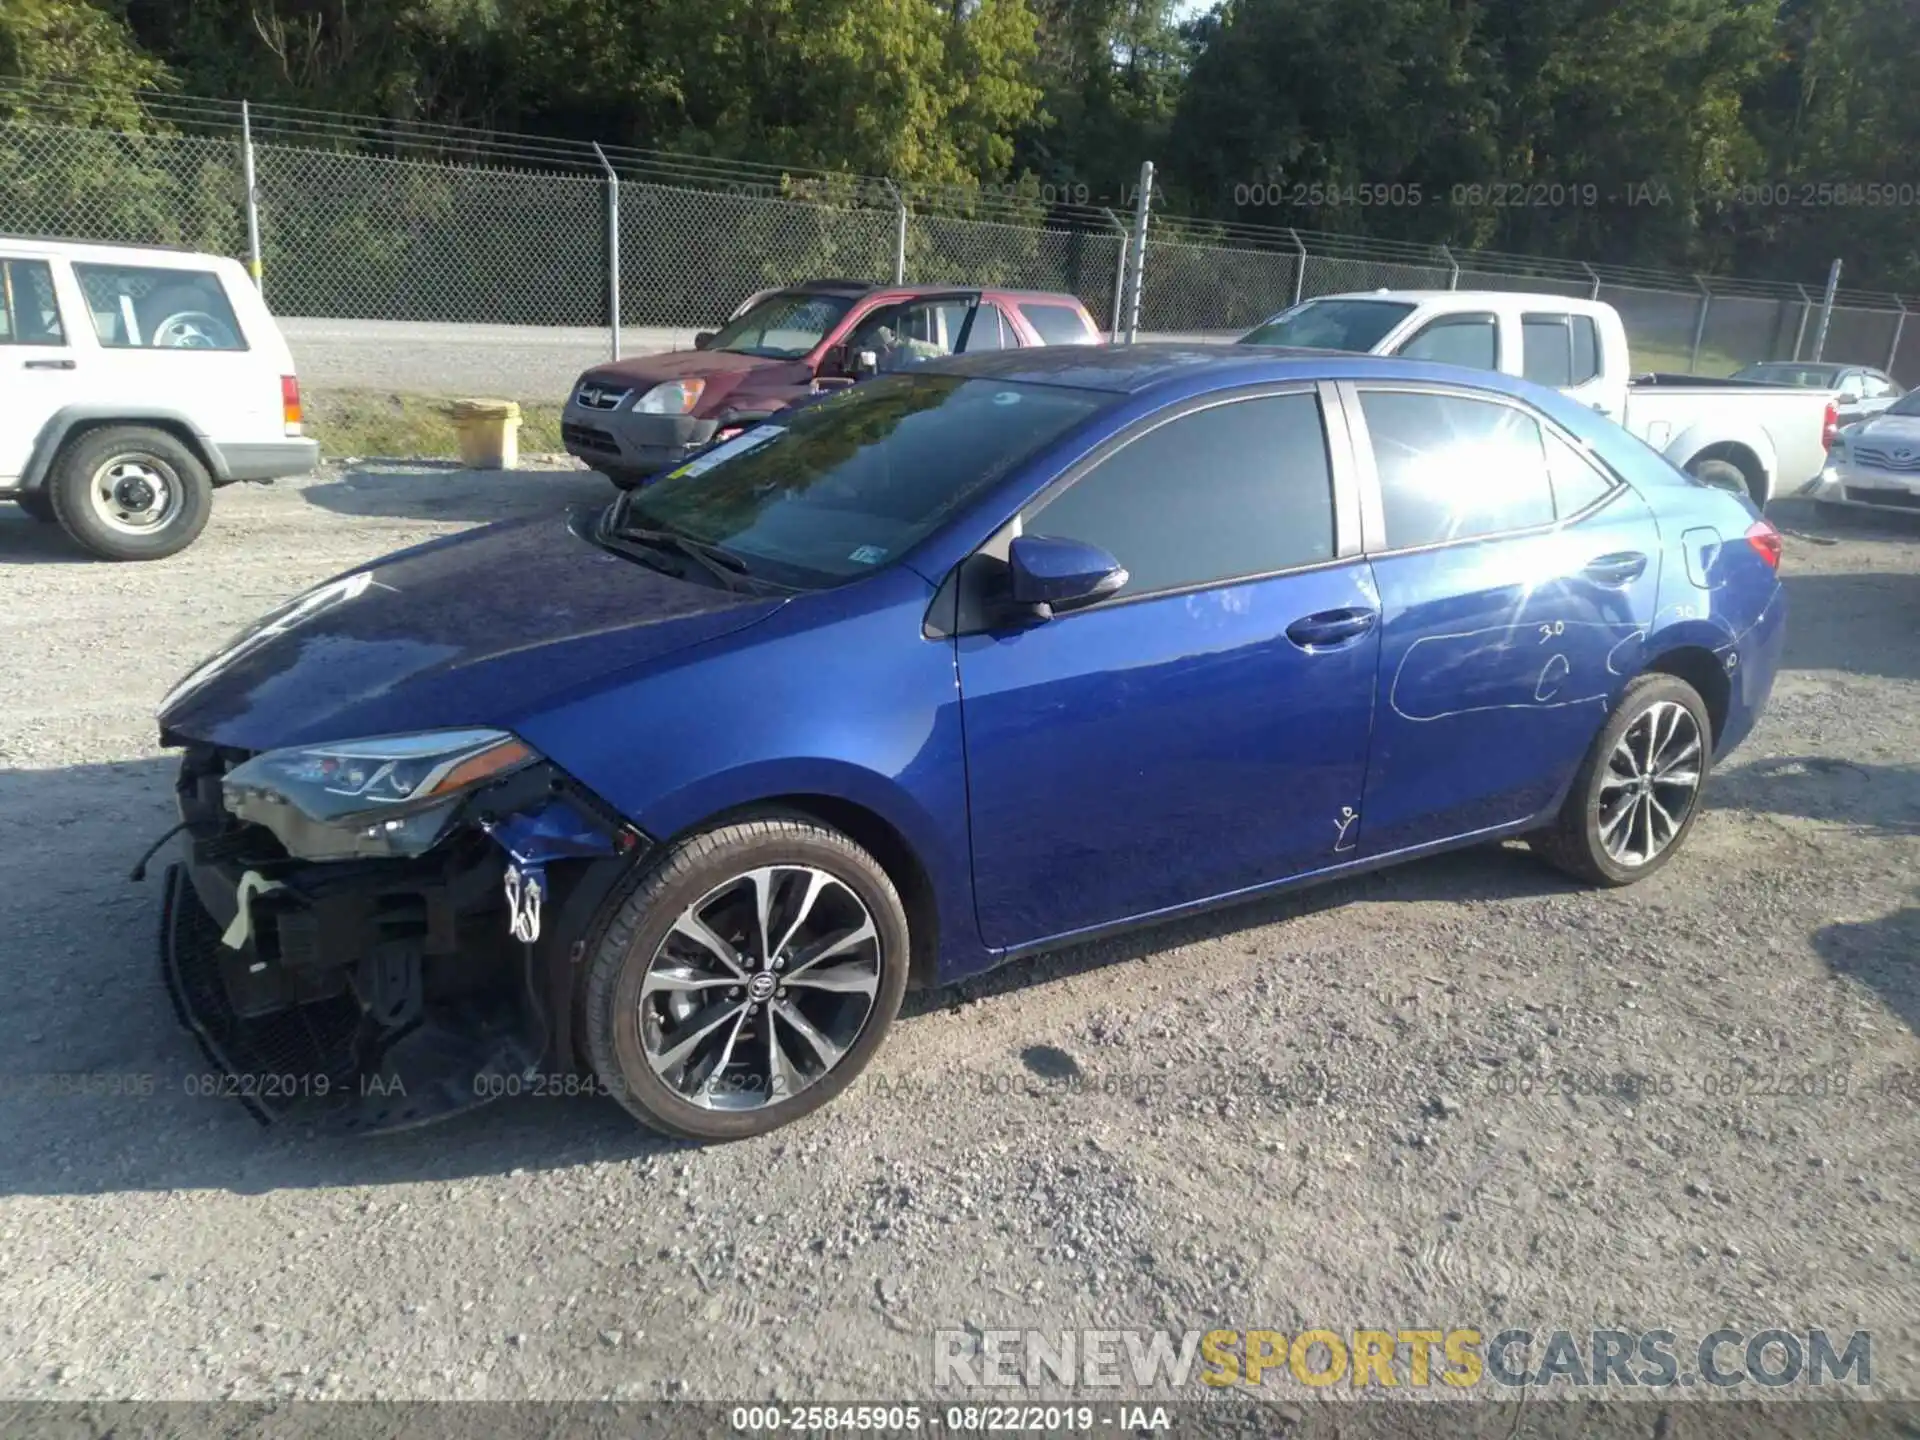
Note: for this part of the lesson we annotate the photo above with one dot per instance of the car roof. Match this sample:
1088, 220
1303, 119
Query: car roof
55, 245
1130, 369
871, 287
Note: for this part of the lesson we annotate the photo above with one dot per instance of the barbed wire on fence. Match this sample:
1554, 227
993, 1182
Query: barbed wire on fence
370, 218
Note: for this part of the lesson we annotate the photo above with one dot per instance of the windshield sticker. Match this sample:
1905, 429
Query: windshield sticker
868, 555
751, 440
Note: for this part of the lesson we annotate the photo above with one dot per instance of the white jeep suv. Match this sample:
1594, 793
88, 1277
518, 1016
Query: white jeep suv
133, 381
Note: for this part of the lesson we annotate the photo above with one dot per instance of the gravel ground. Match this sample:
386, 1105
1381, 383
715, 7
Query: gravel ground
1332, 1110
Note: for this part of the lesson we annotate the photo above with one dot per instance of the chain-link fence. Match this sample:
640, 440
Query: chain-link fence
368, 220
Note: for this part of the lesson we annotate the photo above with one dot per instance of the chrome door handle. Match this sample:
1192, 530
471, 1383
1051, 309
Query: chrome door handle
50, 365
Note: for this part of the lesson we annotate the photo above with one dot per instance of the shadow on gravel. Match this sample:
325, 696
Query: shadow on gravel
1876, 799
1802, 519
1485, 872
451, 493
99, 1084
26, 541
1866, 623
1883, 954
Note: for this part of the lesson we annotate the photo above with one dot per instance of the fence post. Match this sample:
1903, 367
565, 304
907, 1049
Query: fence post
253, 197
613, 247
1699, 326
899, 233
1299, 270
1594, 276
1453, 268
1141, 207
1119, 275
1893, 350
1806, 309
1826, 310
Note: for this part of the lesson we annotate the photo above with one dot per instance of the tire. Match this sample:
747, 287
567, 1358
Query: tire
86, 493
179, 319
1578, 840
1723, 475
37, 506
651, 1045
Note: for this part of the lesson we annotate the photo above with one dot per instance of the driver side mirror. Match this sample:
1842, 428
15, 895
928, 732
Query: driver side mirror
1049, 574
704, 339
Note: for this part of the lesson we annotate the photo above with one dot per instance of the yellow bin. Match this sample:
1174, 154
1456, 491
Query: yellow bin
488, 432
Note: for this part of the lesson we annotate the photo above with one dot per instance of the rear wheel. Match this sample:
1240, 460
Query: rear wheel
129, 492
1638, 791
746, 980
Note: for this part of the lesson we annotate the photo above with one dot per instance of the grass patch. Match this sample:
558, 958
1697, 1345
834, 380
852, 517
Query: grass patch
375, 422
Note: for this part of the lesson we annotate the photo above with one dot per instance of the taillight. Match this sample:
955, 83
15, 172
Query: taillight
1830, 427
290, 403
1765, 541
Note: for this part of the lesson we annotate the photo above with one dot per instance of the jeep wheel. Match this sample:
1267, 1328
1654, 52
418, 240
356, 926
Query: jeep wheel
130, 493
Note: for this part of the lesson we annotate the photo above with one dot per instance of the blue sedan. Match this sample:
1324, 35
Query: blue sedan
673, 801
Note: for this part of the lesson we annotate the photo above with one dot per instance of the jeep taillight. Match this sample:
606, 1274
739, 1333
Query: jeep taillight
290, 403
1830, 426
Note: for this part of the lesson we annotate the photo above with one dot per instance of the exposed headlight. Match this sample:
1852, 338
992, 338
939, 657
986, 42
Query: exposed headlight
676, 397
387, 796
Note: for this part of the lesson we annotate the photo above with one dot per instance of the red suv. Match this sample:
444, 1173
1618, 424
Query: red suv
631, 419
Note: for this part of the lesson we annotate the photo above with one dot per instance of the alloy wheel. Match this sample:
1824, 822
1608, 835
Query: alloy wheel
759, 988
1651, 783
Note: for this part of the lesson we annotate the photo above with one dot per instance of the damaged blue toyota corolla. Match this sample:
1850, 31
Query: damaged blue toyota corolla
673, 801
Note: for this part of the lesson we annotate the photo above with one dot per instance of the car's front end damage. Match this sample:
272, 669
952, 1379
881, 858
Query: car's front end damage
374, 963
381, 884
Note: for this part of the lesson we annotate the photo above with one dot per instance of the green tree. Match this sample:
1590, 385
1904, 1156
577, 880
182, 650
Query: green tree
73, 44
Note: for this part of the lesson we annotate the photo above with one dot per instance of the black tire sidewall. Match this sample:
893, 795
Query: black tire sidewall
72, 475
1646, 692
670, 885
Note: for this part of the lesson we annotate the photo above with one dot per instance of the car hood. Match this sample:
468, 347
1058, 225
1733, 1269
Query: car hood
481, 629
677, 365
1888, 430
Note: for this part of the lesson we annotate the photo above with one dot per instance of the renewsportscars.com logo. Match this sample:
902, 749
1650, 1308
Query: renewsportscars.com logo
1414, 1358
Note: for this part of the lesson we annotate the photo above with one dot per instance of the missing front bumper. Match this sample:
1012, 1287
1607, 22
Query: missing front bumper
323, 1062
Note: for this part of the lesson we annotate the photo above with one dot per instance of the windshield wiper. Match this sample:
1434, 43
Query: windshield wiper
718, 561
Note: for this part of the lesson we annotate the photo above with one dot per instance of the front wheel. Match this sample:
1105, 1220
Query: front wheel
1638, 790
746, 980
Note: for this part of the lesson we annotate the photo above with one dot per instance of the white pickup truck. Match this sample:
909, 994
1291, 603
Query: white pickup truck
1765, 439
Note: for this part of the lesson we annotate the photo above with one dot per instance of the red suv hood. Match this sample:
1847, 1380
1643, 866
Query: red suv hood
677, 364
734, 382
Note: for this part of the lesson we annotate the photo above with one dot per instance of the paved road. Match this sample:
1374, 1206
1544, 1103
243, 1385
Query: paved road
1395, 1102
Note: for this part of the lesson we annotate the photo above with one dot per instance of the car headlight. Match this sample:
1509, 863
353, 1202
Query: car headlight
392, 795
676, 397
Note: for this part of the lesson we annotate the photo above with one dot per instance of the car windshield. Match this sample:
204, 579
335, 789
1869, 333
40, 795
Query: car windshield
1356, 325
850, 483
784, 326
1807, 377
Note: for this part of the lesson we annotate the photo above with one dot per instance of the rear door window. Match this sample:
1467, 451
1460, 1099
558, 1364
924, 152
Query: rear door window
29, 313
1057, 324
1453, 467
1219, 494
990, 331
1469, 340
137, 307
